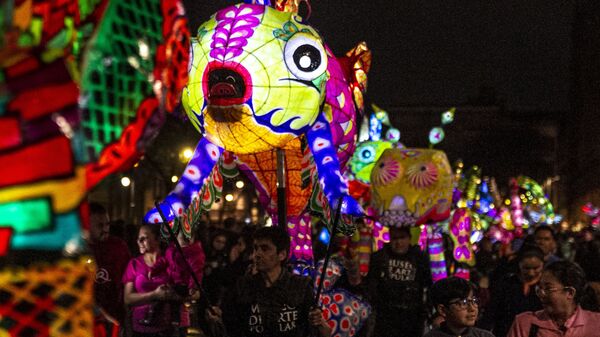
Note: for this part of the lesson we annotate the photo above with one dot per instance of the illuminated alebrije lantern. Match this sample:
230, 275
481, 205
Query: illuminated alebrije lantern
593, 212
412, 186
344, 311
262, 80
539, 208
448, 116
460, 230
516, 207
436, 135
435, 249
365, 157
370, 147
256, 72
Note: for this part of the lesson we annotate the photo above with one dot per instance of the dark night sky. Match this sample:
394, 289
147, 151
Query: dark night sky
442, 52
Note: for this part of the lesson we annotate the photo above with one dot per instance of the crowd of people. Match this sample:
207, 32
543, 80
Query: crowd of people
235, 280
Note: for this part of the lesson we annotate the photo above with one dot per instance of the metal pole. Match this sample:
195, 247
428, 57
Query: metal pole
336, 221
180, 250
281, 195
218, 329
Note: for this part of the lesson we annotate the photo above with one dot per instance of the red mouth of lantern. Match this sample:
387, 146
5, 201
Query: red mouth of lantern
226, 87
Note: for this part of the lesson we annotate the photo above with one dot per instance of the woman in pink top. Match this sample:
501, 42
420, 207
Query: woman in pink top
560, 290
147, 288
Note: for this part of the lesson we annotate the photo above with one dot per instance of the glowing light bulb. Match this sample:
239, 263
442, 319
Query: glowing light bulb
125, 181
187, 153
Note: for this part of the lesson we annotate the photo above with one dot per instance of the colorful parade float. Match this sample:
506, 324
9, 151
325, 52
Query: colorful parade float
273, 103
450, 210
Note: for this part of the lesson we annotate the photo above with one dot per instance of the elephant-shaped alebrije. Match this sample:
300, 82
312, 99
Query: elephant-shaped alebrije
412, 186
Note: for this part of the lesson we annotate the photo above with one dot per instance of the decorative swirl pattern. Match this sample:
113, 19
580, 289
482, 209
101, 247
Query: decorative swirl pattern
422, 175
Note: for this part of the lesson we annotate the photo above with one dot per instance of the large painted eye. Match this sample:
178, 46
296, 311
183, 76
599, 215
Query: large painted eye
305, 56
422, 175
367, 154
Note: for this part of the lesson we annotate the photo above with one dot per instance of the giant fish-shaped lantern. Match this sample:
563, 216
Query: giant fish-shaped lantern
261, 79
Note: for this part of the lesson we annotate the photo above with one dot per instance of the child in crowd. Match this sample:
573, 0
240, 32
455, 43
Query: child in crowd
454, 300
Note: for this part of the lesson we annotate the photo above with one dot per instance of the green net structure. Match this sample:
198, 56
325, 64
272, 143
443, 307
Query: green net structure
118, 70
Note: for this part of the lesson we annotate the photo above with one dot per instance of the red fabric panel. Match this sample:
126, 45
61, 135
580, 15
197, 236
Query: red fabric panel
22, 67
10, 135
50, 158
5, 234
45, 100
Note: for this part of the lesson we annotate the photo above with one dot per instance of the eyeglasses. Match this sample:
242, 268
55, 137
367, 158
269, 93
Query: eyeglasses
545, 291
464, 303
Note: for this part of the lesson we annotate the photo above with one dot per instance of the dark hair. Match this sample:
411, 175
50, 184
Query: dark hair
545, 228
569, 274
229, 223
278, 236
400, 230
96, 208
247, 234
529, 252
448, 289
219, 232
154, 229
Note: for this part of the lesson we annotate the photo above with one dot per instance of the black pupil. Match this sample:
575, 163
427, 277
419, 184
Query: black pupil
307, 51
367, 154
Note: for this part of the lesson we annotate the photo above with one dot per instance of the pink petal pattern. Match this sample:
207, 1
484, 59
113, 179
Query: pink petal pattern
235, 26
422, 175
389, 170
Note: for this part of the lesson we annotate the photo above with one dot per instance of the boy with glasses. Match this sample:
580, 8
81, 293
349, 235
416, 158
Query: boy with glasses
454, 299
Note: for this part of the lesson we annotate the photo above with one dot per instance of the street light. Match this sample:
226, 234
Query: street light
125, 181
239, 184
229, 197
174, 179
186, 154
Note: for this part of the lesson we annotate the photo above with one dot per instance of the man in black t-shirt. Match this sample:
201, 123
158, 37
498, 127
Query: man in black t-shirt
272, 302
397, 277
